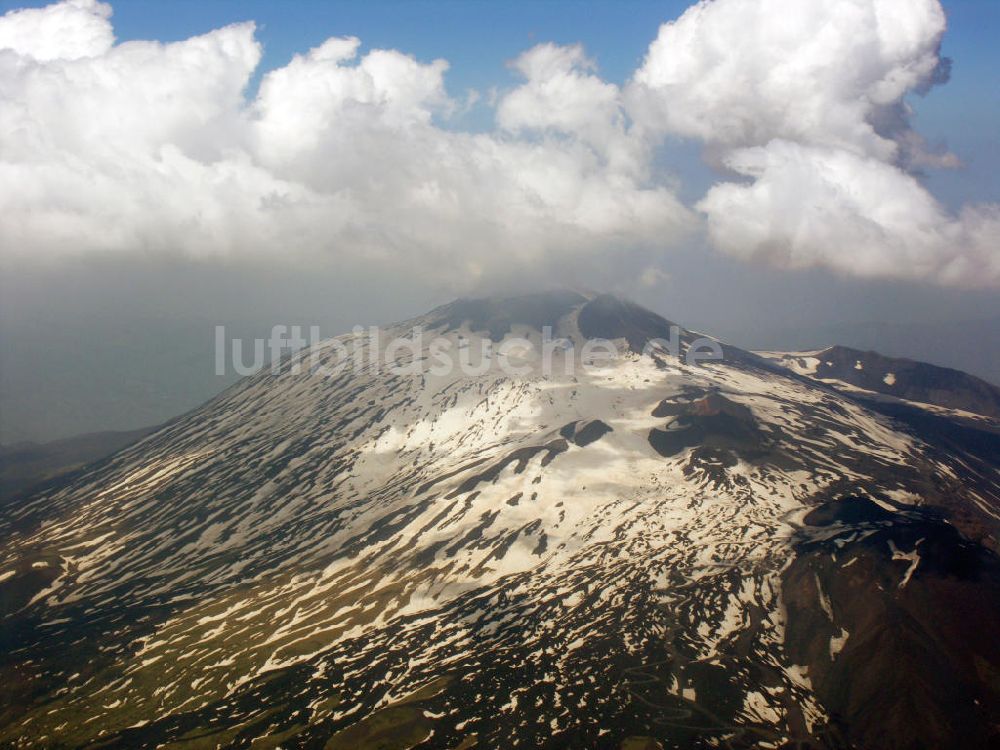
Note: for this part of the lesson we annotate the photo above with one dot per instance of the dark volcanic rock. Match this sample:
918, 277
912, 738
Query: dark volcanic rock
607, 317
713, 422
910, 380
849, 510
679, 404
496, 316
585, 431
896, 625
671, 442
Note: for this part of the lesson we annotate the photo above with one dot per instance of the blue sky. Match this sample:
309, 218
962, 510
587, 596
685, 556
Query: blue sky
476, 37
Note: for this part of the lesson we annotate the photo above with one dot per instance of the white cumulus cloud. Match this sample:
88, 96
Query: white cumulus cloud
350, 154
742, 72
810, 205
66, 31
805, 98
144, 147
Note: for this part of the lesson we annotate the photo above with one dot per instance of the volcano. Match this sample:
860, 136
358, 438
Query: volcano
638, 551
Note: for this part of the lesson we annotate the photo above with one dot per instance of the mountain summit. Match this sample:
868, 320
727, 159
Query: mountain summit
640, 553
579, 315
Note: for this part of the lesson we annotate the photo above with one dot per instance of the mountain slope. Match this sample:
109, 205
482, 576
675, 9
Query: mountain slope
643, 551
23, 465
901, 378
